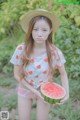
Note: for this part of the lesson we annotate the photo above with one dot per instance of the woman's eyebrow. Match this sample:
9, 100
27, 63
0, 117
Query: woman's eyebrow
42, 28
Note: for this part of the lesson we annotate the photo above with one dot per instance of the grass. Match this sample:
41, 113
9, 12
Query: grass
8, 82
33, 114
65, 112
68, 111
9, 102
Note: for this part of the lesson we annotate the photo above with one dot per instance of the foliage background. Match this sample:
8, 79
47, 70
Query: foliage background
67, 38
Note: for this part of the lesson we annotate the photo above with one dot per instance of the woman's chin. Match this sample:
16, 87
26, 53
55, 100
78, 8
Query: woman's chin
39, 41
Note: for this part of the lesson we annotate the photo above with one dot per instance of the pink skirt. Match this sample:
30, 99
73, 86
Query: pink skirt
26, 93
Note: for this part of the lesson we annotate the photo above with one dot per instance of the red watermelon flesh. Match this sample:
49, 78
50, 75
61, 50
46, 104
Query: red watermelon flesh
53, 90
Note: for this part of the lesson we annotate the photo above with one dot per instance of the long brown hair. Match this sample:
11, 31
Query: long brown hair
29, 44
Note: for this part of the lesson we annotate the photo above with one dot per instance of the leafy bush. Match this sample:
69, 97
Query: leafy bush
2, 1
67, 39
9, 17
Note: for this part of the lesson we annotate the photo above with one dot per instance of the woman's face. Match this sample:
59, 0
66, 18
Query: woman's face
41, 31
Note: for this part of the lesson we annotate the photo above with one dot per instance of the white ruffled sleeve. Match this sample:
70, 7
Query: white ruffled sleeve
60, 60
16, 57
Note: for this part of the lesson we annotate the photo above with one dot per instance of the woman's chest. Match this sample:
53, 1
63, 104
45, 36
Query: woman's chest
37, 66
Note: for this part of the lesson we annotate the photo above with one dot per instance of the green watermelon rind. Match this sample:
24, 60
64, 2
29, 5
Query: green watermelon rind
52, 100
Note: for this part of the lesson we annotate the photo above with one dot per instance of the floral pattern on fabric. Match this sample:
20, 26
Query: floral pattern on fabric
16, 57
37, 71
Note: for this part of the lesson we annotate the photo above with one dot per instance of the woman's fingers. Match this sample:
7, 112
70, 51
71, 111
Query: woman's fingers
59, 103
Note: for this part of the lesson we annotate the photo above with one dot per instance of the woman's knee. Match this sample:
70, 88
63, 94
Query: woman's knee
42, 110
42, 103
24, 108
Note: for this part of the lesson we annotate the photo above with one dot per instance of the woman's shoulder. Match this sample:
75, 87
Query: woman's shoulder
20, 46
58, 56
19, 49
16, 57
56, 52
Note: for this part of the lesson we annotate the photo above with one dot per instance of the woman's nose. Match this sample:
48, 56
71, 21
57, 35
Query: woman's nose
39, 33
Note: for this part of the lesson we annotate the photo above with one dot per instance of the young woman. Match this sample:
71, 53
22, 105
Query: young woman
35, 61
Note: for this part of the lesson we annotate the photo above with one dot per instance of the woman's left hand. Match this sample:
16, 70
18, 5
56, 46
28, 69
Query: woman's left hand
63, 100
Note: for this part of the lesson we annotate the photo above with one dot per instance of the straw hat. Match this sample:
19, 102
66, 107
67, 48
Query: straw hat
25, 19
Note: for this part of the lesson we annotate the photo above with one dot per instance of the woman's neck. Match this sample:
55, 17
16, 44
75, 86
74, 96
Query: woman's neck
39, 49
39, 46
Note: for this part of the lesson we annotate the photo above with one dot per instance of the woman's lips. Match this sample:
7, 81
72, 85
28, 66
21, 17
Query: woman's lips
39, 39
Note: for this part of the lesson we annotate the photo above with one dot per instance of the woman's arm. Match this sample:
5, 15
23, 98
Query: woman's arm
27, 85
17, 73
23, 82
64, 79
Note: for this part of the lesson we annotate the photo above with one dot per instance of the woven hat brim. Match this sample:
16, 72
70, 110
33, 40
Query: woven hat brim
25, 19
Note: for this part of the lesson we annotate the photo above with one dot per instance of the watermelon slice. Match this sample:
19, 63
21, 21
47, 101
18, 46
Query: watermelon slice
52, 92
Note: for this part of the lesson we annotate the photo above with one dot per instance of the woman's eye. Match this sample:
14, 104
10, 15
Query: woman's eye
44, 30
35, 29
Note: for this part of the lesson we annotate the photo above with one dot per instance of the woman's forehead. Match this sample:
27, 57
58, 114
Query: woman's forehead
42, 23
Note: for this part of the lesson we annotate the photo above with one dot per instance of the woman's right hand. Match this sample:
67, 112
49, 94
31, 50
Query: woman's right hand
35, 91
27, 85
